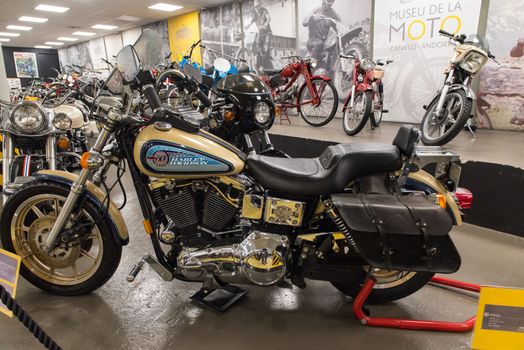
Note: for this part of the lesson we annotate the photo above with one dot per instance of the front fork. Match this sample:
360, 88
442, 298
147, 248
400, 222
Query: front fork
94, 161
443, 94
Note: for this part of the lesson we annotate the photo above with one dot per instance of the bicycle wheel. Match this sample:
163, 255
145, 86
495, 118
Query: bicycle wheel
355, 118
321, 113
376, 115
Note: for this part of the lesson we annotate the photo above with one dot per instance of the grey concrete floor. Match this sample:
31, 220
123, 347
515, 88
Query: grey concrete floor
503, 147
153, 314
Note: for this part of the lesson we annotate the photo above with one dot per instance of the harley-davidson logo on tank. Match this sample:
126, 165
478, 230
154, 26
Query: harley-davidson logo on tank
163, 158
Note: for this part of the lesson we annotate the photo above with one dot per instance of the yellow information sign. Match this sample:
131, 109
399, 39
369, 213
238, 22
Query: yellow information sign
184, 30
500, 319
9, 271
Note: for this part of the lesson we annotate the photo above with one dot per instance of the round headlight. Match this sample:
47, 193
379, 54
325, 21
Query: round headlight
262, 113
313, 62
367, 64
28, 117
61, 121
473, 62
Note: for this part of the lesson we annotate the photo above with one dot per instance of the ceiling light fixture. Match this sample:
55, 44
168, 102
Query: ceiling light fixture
32, 19
13, 27
84, 33
9, 34
53, 43
49, 8
164, 7
4, 39
42, 47
104, 26
65, 38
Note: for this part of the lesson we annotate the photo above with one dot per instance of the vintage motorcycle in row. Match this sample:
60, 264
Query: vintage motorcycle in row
36, 137
226, 217
365, 99
448, 112
316, 99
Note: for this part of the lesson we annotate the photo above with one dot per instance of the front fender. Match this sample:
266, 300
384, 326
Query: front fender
323, 77
427, 179
94, 194
467, 89
363, 87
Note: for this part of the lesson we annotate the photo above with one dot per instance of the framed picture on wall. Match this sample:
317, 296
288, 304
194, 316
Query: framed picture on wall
26, 65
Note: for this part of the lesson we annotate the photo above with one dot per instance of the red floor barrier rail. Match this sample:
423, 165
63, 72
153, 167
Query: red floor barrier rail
426, 325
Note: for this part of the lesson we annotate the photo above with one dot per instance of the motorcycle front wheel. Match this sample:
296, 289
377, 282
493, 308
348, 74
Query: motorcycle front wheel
354, 119
321, 113
75, 267
439, 130
391, 285
376, 116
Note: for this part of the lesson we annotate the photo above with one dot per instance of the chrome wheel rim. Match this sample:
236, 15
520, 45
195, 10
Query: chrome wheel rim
353, 116
437, 127
377, 108
316, 114
64, 265
389, 278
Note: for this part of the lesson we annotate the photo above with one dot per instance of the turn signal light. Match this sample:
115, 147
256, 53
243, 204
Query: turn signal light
441, 201
229, 116
63, 143
84, 159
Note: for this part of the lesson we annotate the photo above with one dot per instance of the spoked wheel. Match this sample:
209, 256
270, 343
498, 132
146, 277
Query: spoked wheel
438, 130
391, 284
376, 116
355, 118
321, 113
77, 265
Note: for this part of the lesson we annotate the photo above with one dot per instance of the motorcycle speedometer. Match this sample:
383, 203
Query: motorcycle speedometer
28, 117
367, 64
262, 113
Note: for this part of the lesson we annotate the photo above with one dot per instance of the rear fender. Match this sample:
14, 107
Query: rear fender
96, 196
428, 180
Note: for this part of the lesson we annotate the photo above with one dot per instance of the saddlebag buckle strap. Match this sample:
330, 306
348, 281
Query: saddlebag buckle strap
386, 249
430, 250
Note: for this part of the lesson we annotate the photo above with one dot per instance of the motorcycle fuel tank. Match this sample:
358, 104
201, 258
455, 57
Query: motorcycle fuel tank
177, 154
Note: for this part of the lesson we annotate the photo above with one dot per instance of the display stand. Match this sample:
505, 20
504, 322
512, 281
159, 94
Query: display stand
427, 325
282, 113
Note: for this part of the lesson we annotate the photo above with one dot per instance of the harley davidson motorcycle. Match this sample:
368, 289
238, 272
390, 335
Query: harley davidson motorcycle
450, 110
360, 210
37, 137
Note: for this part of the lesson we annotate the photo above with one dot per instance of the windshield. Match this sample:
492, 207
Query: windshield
478, 41
245, 83
148, 48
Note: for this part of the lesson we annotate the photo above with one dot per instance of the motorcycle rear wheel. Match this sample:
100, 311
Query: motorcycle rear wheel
77, 269
391, 284
327, 105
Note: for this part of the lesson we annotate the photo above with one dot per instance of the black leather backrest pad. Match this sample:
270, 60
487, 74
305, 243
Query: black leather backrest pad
406, 139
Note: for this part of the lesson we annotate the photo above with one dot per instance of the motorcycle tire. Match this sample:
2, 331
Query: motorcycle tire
301, 92
352, 130
409, 283
31, 267
376, 114
453, 131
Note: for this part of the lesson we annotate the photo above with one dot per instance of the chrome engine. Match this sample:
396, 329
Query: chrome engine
259, 259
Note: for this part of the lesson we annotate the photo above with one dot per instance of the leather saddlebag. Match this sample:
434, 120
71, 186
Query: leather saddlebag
397, 232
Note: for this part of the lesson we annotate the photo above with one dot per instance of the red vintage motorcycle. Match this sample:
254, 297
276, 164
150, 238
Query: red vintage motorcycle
366, 97
316, 99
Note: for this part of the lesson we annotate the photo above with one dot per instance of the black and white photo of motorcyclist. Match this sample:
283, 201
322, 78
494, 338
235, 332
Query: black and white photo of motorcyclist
328, 28
260, 24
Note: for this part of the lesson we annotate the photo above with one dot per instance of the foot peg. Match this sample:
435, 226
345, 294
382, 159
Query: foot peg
385, 111
164, 273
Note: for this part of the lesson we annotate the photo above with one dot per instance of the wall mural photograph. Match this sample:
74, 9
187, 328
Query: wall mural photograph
501, 97
26, 65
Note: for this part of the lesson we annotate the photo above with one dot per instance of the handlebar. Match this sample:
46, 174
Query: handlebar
459, 38
347, 56
443, 32
152, 97
203, 98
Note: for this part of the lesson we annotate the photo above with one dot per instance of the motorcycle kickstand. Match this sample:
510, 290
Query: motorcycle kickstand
217, 299
164, 273
471, 130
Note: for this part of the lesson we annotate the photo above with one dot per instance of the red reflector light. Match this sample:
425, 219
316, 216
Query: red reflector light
464, 197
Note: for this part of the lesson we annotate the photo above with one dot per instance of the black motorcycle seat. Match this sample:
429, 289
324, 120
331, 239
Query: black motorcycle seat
271, 72
330, 173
